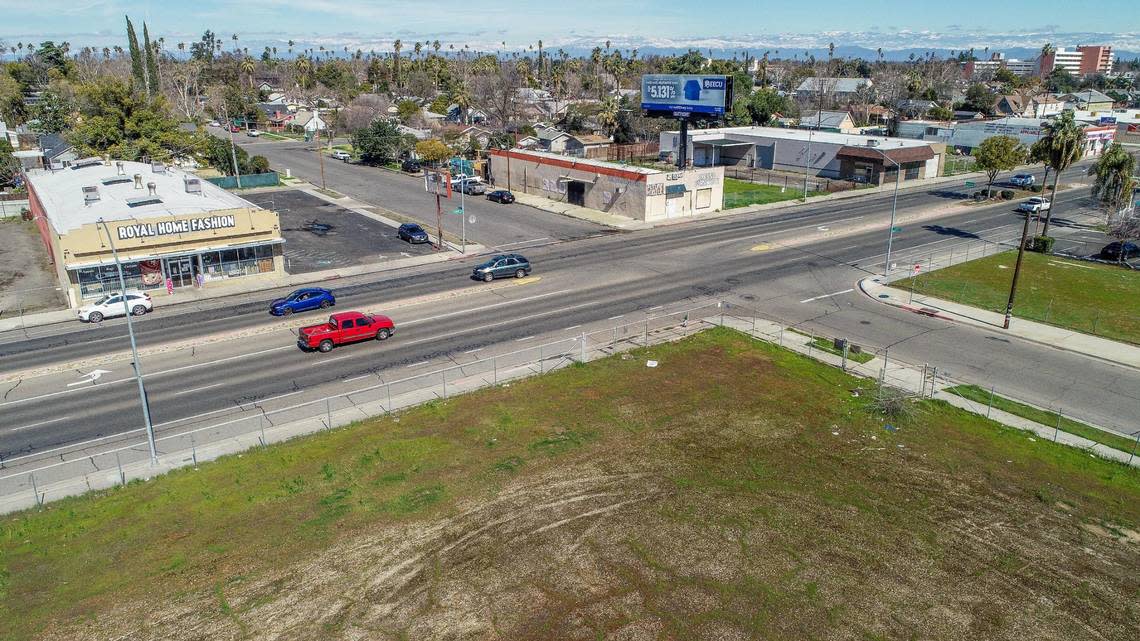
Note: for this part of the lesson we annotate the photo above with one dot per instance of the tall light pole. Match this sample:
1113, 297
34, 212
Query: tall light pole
872, 145
134, 349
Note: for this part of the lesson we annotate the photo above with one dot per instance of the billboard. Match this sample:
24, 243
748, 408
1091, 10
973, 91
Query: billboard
677, 94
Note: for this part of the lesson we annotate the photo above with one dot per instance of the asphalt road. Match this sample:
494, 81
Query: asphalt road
802, 281
495, 226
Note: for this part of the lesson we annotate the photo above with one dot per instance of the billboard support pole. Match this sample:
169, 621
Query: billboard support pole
683, 143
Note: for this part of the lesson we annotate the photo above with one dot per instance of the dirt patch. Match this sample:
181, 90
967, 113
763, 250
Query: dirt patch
27, 278
758, 499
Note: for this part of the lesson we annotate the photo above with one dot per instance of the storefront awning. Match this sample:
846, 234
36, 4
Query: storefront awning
571, 179
132, 258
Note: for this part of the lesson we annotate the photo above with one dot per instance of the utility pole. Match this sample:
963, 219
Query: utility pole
1016, 271
134, 349
233, 150
320, 155
439, 221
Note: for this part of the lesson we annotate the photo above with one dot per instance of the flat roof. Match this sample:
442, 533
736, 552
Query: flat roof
589, 162
61, 194
822, 137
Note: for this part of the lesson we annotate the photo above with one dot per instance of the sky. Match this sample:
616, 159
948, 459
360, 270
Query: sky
578, 24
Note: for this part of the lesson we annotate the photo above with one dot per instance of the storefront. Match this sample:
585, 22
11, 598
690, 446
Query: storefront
175, 232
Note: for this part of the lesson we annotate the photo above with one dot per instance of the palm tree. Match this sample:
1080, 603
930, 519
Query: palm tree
291, 43
235, 39
303, 68
462, 99
608, 115
1114, 181
247, 67
396, 46
1064, 148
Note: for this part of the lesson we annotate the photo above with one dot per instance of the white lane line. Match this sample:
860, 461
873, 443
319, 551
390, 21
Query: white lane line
483, 308
616, 317
653, 309
523, 242
525, 338
808, 300
472, 351
28, 427
198, 389
572, 327
419, 364
355, 378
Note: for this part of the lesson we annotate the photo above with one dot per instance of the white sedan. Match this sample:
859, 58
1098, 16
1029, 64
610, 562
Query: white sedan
1034, 205
341, 155
110, 305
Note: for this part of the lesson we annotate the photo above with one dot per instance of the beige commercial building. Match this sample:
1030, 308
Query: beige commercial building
625, 190
172, 230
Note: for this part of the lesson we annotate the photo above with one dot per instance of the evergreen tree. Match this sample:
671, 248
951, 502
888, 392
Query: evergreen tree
138, 70
151, 59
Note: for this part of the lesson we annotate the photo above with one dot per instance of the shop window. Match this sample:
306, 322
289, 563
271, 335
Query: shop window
911, 172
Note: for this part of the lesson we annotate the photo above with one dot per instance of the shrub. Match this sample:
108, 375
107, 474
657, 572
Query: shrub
1042, 244
1007, 194
1035, 189
979, 196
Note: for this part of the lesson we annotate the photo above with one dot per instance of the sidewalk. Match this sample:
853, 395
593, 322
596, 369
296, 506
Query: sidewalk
630, 224
1048, 335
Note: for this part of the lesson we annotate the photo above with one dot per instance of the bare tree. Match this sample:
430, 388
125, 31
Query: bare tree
498, 93
360, 113
185, 87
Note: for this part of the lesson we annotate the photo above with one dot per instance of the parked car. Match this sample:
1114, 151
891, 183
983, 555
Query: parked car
112, 305
1023, 180
1112, 251
213, 123
501, 196
341, 155
234, 129
411, 166
302, 300
1034, 205
253, 133
344, 328
412, 233
502, 266
471, 187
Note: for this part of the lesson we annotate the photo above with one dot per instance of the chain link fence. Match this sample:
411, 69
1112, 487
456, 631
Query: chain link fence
49, 475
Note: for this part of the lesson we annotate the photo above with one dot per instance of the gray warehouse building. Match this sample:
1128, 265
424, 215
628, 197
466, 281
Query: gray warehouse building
832, 155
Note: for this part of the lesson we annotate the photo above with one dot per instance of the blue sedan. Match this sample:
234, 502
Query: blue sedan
412, 233
302, 300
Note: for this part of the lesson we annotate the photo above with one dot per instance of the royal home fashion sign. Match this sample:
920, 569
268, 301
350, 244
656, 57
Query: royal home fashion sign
168, 227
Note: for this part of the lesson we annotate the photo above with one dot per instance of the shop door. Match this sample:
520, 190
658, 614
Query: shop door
181, 271
576, 193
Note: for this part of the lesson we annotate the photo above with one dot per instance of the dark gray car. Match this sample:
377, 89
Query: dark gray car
502, 266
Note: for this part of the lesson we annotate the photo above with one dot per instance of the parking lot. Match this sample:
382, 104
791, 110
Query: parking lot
320, 235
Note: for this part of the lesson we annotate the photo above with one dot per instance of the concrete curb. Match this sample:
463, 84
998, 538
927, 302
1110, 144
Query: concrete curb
869, 286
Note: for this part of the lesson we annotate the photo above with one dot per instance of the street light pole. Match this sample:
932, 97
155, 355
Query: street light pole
894, 204
134, 348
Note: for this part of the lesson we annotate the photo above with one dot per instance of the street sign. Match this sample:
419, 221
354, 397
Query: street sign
895, 230
917, 268
970, 183
458, 211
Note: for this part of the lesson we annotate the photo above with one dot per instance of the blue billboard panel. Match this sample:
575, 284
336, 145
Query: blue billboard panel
685, 93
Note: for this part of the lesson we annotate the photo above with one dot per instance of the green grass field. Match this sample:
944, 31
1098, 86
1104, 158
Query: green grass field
741, 193
736, 490
1045, 417
1085, 297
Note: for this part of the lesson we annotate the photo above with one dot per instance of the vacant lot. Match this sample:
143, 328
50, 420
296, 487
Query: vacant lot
736, 491
27, 279
741, 193
1082, 296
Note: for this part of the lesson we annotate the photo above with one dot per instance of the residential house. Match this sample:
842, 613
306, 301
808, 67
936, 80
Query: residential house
871, 114
469, 116
56, 151
308, 121
912, 108
552, 140
587, 145
277, 115
10, 135
1087, 100
1023, 106
533, 96
527, 142
479, 134
835, 121
961, 115
843, 89
420, 134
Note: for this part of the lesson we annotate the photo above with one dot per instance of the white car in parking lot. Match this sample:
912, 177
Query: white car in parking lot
110, 305
341, 155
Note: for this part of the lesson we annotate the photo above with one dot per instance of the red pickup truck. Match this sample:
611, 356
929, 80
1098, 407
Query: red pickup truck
345, 327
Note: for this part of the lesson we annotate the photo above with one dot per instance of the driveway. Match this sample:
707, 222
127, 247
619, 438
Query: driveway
320, 235
496, 226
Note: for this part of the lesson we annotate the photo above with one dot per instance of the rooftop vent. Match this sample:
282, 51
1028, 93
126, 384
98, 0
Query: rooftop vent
157, 168
152, 189
55, 165
87, 162
90, 194
116, 180
193, 185
119, 168
138, 181
139, 201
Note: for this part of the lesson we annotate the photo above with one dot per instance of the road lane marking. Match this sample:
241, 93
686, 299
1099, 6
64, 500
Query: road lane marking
355, 378
523, 242
419, 364
616, 317
198, 389
572, 327
525, 338
28, 427
472, 351
808, 300
271, 398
